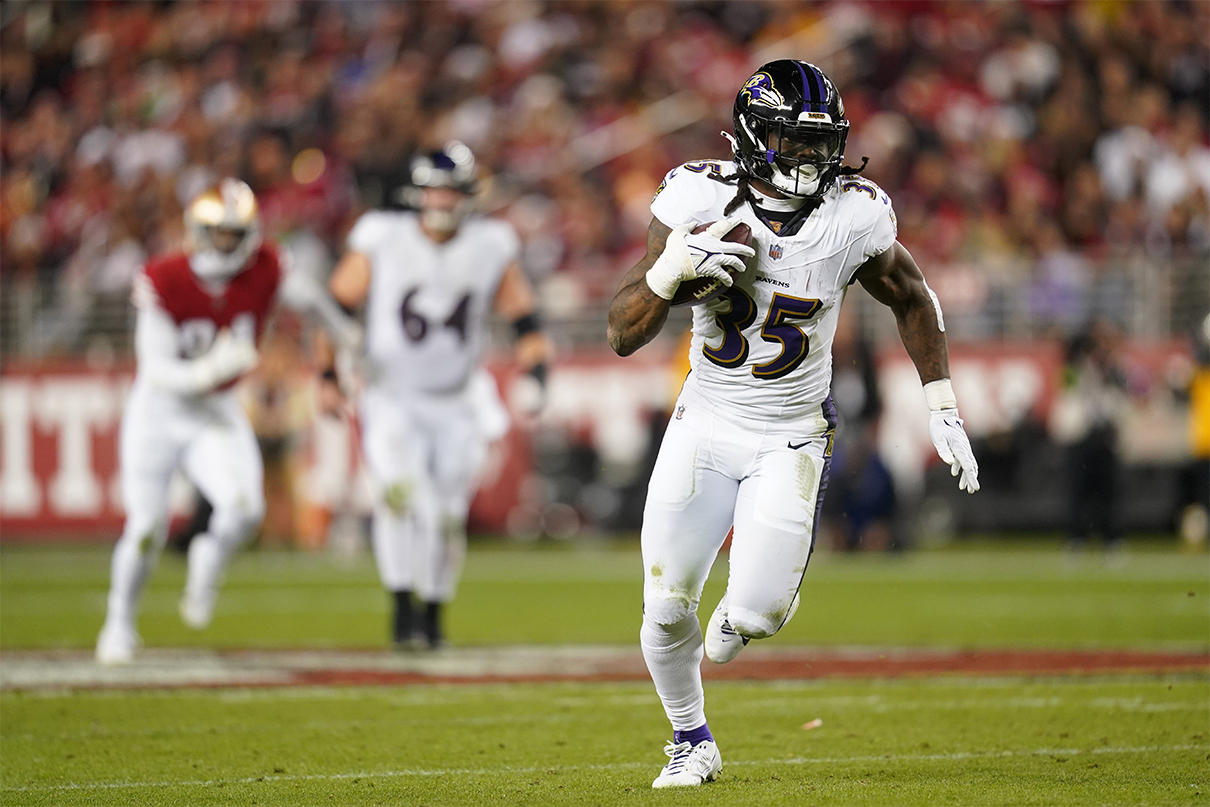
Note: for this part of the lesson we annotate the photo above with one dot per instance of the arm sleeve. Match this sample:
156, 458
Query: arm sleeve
155, 348
302, 293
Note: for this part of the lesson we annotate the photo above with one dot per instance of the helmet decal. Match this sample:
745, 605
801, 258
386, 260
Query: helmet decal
759, 91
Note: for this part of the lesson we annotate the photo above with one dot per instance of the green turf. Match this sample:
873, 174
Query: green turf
975, 597
930, 741
1070, 741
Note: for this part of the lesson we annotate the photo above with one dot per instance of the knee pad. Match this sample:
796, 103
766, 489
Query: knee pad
755, 625
668, 608
234, 523
145, 534
397, 496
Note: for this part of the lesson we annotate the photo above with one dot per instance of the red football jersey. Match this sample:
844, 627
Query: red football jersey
243, 305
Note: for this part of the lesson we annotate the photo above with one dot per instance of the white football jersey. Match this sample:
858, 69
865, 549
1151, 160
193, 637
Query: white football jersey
426, 314
764, 350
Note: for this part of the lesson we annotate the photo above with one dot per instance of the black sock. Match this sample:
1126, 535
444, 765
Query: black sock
403, 616
432, 623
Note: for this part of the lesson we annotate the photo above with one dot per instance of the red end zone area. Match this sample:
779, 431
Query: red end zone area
166, 668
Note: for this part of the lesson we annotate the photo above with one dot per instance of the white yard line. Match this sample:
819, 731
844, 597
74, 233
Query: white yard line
509, 770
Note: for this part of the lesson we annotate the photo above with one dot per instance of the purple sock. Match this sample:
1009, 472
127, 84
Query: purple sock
693, 736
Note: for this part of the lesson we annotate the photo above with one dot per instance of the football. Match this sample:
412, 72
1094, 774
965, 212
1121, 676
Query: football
704, 289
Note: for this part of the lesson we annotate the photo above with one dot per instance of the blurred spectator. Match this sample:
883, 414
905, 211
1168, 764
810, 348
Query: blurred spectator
977, 118
276, 399
861, 504
1086, 419
1194, 502
1049, 162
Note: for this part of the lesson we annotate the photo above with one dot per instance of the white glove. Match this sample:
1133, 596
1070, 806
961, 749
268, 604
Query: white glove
226, 360
687, 255
954, 447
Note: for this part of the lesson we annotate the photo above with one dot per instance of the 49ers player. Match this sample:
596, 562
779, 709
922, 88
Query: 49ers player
200, 313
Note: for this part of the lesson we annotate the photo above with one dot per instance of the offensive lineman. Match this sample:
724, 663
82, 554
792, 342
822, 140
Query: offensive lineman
750, 442
200, 313
428, 280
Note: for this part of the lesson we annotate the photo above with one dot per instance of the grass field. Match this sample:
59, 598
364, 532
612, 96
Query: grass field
1075, 739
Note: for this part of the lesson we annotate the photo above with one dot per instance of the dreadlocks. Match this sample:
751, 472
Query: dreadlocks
850, 171
743, 193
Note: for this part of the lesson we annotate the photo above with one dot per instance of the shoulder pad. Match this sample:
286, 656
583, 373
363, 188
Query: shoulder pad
695, 192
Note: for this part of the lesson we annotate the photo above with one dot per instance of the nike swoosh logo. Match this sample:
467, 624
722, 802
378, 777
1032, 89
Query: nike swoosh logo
796, 447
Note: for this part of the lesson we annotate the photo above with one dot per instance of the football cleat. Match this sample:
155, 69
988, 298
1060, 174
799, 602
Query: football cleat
117, 644
723, 643
690, 765
201, 582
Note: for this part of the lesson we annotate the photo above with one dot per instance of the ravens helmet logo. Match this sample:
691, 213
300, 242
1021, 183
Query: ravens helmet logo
759, 91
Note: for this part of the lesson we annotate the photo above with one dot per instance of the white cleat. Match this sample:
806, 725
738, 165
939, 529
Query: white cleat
197, 608
117, 644
201, 583
722, 641
690, 765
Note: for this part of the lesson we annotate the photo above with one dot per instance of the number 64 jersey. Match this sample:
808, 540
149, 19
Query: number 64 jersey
764, 349
426, 313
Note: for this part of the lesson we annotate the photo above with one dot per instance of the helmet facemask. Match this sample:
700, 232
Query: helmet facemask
800, 160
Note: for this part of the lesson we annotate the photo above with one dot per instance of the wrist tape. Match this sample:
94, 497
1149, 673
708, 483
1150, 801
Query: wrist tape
940, 395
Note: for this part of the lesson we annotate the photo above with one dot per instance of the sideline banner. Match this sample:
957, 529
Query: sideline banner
59, 430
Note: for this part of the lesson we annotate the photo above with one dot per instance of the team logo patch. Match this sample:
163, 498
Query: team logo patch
663, 185
758, 91
775, 251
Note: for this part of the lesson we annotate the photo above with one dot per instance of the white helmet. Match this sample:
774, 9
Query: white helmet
224, 230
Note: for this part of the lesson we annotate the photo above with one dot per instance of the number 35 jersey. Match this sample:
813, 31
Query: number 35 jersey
764, 349
426, 314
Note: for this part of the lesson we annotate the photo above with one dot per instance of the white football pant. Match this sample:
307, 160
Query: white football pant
210, 439
715, 471
424, 453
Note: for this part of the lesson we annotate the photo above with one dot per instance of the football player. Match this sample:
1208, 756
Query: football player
750, 439
199, 315
428, 279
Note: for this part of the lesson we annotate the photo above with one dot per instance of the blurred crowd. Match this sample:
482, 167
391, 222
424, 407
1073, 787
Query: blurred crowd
1033, 149
1048, 161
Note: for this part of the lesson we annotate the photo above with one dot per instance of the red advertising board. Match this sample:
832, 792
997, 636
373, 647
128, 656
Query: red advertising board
59, 428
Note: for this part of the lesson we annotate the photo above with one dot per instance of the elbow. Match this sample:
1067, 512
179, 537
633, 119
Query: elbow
620, 344
624, 341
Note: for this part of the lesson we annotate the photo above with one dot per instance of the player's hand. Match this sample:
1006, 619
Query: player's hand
527, 395
954, 447
228, 359
687, 255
